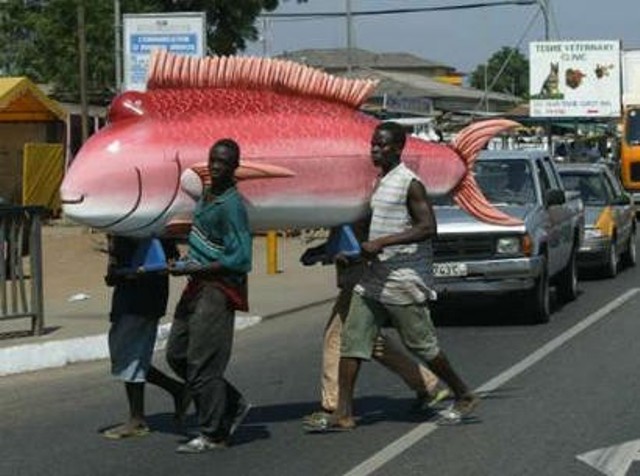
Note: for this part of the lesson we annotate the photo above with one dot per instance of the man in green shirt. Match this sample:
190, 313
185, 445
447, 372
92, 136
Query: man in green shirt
217, 264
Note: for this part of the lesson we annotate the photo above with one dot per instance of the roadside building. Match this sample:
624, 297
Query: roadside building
409, 85
32, 138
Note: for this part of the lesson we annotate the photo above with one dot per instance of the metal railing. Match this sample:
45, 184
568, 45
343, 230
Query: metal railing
21, 288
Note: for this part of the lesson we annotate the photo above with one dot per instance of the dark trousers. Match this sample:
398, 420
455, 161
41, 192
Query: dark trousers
198, 351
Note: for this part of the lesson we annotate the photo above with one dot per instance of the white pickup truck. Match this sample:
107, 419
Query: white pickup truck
472, 257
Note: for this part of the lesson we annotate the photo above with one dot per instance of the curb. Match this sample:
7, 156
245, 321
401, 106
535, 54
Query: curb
59, 353
32, 357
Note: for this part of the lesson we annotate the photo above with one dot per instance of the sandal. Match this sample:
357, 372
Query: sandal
126, 431
460, 410
322, 422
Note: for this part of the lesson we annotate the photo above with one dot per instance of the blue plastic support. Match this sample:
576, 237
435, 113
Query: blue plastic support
149, 256
345, 242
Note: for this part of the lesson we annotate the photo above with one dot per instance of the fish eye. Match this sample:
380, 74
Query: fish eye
127, 106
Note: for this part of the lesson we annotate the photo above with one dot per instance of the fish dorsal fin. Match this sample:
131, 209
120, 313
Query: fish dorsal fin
171, 71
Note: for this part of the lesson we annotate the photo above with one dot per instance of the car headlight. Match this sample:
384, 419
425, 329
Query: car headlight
593, 233
509, 245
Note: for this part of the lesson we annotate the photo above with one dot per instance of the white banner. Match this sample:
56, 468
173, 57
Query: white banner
181, 33
574, 78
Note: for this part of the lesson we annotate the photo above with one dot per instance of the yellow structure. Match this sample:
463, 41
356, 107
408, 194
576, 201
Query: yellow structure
272, 252
23, 101
30, 124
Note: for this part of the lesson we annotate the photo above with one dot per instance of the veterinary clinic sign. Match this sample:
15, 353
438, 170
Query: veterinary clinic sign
574, 79
181, 33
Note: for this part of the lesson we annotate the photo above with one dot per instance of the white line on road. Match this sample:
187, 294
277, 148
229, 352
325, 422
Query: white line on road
405, 442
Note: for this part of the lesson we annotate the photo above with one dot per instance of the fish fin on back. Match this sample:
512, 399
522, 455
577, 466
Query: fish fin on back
470, 140
171, 71
470, 198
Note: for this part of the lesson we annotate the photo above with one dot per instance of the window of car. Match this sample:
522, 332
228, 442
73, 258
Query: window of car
593, 188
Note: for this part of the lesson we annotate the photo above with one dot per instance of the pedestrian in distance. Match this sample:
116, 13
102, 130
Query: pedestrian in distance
217, 263
396, 285
138, 301
426, 385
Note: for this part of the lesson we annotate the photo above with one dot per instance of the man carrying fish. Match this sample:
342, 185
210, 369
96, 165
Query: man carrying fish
201, 338
395, 286
349, 268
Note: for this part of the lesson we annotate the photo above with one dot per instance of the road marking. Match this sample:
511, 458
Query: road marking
405, 442
614, 460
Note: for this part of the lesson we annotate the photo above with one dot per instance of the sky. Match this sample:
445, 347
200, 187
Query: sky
461, 38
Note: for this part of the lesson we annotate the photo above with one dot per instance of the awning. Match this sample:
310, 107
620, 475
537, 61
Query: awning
22, 101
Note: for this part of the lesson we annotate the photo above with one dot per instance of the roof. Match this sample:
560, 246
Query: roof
22, 101
411, 84
582, 167
336, 58
512, 154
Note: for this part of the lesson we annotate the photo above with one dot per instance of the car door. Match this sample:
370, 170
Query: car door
555, 219
623, 213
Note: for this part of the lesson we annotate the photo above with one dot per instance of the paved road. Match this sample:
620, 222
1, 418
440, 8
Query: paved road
574, 390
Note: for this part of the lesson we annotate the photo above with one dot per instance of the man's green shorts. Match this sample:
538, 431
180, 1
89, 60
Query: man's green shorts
367, 316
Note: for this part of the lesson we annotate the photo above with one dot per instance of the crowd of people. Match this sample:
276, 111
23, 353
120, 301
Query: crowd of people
387, 283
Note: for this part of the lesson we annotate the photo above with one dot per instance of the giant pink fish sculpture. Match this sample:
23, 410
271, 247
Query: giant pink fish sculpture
304, 144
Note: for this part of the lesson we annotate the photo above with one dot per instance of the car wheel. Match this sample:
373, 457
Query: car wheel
568, 280
538, 300
630, 258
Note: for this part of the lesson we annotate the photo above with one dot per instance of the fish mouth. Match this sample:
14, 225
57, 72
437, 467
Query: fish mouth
165, 209
72, 201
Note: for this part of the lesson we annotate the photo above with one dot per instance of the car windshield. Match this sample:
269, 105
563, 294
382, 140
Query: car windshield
591, 187
503, 182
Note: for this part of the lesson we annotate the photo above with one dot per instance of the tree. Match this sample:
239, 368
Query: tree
39, 38
513, 70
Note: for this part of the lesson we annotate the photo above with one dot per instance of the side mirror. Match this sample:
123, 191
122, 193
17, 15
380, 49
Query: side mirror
623, 199
555, 197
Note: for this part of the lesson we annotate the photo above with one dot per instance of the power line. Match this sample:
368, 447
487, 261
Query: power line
397, 11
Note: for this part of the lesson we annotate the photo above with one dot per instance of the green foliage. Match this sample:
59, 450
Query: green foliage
514, 78
40, 38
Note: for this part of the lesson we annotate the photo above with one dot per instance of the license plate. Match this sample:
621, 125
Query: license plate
444, 270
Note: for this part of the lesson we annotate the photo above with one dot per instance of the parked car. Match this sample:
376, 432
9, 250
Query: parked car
473, 257
610, 224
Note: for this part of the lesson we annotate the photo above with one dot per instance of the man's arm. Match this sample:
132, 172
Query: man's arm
236, 257
424, 223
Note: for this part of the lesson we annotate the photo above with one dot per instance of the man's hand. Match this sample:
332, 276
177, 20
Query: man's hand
184, 268
312, 255
370, 249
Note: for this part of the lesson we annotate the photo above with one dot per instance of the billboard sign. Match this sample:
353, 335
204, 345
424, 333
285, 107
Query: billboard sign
574, 78
180, 33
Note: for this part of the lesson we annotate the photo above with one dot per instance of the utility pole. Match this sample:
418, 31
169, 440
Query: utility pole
82, 52
117, 28
486, 86
349, 18
263, 40
544, 7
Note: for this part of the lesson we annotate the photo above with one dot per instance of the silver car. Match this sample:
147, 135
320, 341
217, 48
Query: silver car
610, 226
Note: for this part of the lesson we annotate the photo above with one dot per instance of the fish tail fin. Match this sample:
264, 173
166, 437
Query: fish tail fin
468, 144
470, 198
470, 140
